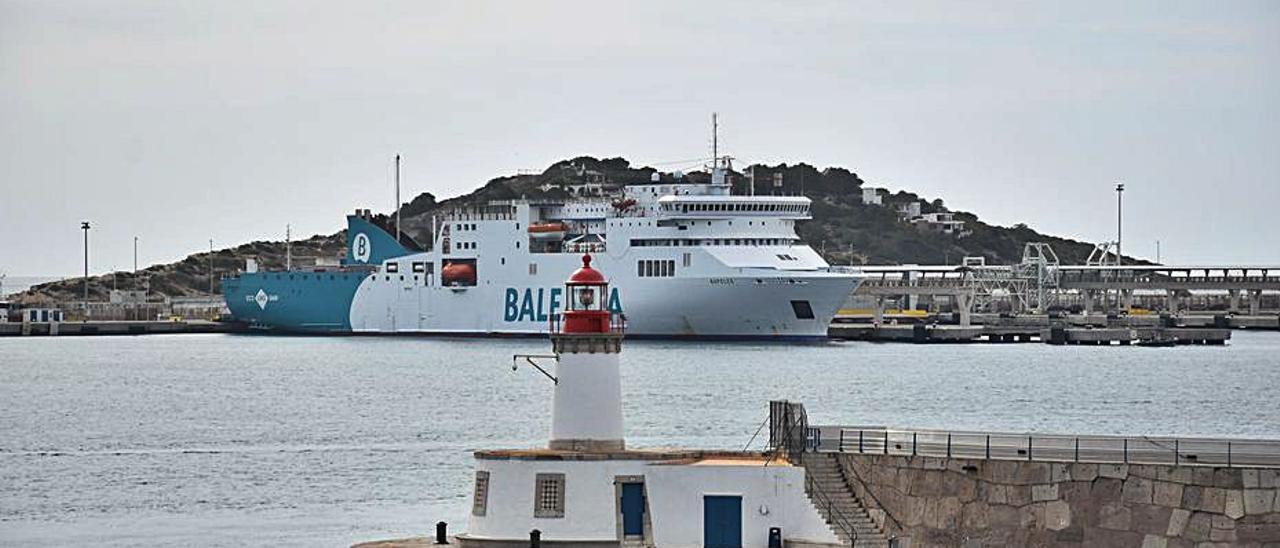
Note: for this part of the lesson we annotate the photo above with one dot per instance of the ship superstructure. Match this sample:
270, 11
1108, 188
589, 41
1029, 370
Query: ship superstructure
689, 260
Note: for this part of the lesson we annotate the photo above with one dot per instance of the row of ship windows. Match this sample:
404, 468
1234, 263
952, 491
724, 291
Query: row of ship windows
655, 268
770, 208
319, 277
659, 242
417, 266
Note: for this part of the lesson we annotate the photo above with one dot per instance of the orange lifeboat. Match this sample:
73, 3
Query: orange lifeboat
458, 274
547, 231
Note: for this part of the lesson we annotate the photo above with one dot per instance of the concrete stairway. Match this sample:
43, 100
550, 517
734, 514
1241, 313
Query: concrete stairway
835, 497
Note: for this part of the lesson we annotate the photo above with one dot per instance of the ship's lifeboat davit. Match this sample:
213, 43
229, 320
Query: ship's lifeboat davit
547, 231
453, 274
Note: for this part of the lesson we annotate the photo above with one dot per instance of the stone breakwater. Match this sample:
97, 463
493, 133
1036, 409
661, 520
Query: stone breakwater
928, 501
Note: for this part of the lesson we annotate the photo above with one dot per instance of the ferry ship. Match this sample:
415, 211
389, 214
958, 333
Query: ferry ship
689, 260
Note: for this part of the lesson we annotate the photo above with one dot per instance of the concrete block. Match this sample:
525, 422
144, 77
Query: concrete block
1137, 490
1222, 522
1057, 515
914, 511
1233, 507
1202, 476
1082, 471
1106, 489
1029, 473
1269, 479
999, 494
1258, 501
902, 480
1198, 527
1249, 478
1146, 518
1143, 471
1214, 500
1155, 541
1114, 516
1117, 471
1175, 474
1227, 478
1205, 499
1005, 518
930, 516
1045, 492
975, 515
1074, 492
1222, 535
1018, 495
1102, 538
964, 488
1166, 493
1059, 472
1177, 522
949, 512
1031, 516
1259, 529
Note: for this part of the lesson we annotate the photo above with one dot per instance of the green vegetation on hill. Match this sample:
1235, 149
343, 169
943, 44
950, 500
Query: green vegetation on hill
843, 228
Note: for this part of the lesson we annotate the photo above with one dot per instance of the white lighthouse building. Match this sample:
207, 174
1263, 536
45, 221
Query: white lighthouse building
586, 489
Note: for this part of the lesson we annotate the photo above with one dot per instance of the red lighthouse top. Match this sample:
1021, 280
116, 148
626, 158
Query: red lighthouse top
586, 275
587, 310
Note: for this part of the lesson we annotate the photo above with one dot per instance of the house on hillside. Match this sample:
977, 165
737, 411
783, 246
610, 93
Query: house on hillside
871, 196
908, 211
942, 221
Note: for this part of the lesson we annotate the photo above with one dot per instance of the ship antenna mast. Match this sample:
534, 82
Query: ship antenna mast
715, 141
397, 198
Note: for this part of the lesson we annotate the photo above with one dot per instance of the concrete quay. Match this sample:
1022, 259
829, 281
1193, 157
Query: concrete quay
1030, 332
89, 328
931, 488
966, 501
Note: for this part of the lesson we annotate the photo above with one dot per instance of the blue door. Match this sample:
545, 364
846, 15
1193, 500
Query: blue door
721, 522
633, 509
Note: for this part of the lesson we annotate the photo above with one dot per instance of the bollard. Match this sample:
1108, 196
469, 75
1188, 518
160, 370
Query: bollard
535, 539
442, 532
775, 537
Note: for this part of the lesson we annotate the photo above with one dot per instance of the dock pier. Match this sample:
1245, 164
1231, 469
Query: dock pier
86, 328
1026, 332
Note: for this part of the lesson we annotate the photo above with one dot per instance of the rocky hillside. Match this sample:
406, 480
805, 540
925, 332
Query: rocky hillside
843, 228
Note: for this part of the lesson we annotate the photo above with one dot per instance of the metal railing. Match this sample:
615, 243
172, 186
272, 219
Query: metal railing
1050, 447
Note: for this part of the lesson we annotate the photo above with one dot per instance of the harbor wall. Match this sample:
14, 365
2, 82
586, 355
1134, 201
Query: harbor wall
929, 501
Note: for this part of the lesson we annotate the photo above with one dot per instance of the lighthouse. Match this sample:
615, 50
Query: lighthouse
586, 406
586, 489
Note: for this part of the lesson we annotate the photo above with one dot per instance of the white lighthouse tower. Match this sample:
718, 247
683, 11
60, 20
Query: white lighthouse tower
587, 405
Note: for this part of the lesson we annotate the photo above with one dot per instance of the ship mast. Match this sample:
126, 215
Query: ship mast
715, 141
397, 198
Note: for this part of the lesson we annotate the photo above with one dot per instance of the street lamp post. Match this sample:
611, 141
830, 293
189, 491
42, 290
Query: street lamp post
135, 256
210, 266
84, 225
1119, 217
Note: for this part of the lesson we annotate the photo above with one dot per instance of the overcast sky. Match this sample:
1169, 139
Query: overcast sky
179, 122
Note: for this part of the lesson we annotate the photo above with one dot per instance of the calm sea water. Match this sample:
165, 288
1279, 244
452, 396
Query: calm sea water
234, 440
